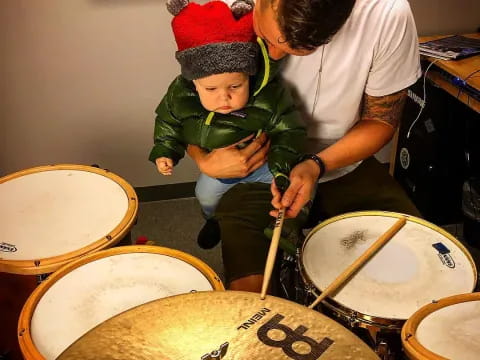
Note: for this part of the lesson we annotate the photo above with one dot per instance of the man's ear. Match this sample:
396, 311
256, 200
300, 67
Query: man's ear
195, 84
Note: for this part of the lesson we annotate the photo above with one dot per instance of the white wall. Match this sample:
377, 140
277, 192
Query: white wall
80, 80
434, 17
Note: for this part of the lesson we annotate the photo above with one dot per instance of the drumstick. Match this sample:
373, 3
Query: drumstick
272, 252
357, 264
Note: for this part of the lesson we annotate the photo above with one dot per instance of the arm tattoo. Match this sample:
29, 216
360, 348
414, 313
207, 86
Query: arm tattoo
387, 109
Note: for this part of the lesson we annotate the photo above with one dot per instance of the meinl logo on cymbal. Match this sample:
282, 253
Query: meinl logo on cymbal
292, 336
254, 319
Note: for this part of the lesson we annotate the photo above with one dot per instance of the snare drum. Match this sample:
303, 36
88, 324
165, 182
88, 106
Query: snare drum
421, 263
446, 329
54, 214
88, 291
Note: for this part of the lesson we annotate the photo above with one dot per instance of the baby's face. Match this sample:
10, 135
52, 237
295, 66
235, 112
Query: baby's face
223, 93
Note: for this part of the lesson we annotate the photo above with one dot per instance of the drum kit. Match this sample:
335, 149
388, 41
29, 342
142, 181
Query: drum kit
407, 293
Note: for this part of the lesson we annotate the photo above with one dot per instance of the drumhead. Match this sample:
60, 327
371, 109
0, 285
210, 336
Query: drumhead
236, 325
447, 329
421, 263
53, 214
86, 292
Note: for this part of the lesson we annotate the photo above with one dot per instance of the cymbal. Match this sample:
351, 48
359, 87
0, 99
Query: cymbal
230, 325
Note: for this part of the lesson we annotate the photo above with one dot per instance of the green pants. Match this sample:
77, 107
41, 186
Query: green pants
243, 212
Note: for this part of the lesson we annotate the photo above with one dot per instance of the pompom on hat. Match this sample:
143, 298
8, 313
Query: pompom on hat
214, 38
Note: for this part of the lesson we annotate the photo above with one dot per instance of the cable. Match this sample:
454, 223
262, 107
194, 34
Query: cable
319, 81
471, 74
462, 83
424, 99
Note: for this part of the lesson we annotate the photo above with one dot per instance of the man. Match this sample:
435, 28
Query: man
352, 62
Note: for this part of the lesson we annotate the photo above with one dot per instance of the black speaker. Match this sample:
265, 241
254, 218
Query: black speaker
430, 158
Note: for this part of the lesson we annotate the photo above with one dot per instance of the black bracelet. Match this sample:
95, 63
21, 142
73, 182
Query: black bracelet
317, 160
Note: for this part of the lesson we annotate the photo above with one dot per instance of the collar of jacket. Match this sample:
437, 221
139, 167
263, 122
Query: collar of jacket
269, 70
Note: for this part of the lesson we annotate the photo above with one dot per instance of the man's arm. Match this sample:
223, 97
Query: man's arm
379, 118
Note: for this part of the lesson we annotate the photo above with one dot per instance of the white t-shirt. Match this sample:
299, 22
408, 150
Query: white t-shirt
375, 52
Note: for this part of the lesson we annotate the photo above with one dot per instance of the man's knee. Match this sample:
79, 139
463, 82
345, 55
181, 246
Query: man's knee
251, 283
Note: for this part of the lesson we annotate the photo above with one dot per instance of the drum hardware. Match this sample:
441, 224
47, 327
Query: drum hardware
41, 278
382, 350
286, 265
353, 320
217, 354
303, 291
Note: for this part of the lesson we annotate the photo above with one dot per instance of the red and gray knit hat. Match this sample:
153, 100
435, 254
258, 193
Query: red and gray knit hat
213, 38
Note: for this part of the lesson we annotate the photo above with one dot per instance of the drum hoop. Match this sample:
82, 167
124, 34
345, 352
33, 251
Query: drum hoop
50, 264
24, 333
409, 340
365, 318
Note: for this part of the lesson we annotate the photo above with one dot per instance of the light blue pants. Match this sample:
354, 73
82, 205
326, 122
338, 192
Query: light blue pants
209, 190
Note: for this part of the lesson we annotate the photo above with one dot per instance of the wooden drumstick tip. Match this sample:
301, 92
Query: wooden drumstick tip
360, 261
272, 252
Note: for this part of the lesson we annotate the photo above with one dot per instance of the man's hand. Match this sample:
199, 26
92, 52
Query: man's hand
303, 180
164, 165
231, 162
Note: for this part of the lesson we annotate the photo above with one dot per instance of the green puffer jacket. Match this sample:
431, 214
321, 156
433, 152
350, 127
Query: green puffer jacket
182, 120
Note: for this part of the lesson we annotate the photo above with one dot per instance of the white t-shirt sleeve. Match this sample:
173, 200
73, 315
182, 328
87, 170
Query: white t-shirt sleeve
396, 63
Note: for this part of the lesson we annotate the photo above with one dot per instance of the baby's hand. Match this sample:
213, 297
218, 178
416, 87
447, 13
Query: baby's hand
164, 165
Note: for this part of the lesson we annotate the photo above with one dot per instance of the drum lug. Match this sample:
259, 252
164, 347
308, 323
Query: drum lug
383, 351
353, 319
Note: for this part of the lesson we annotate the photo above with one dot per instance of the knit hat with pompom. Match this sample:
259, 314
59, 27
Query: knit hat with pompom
214, 38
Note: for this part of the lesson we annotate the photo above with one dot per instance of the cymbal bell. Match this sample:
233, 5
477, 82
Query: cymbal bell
219, 325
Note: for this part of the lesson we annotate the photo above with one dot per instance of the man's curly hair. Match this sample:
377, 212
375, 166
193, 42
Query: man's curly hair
308, 24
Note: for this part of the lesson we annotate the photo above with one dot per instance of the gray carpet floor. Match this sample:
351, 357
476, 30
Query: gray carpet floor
175, 224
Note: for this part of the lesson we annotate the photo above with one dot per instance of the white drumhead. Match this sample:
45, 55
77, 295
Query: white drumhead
453, 331
407, 273
98, 290
51, 213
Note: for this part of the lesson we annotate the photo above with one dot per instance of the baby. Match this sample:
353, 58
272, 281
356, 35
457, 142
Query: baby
228, 90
